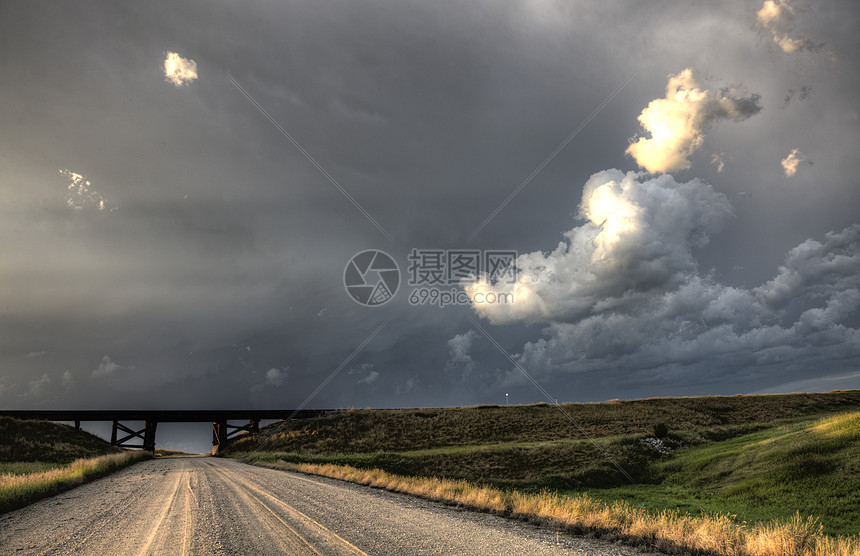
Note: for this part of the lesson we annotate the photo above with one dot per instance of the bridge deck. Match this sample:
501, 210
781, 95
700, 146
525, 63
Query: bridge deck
161, 416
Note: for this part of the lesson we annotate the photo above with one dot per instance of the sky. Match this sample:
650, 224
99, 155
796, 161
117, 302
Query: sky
184, 184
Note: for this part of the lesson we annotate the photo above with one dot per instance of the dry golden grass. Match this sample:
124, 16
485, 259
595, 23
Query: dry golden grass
666, 531
17, 490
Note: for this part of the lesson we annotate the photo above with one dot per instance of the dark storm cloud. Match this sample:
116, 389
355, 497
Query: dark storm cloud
223, 259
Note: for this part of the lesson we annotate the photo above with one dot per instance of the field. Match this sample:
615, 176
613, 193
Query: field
811, 466
39, 459
745, 459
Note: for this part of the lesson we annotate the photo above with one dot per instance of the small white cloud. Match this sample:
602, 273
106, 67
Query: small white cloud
458, 351
178, 70
678, 122
106, 367
791, 162
371, 377
34, 354
81, 194
719, 160
38, 387
276, 377
68, 379
367, 373
407, 386
777, 17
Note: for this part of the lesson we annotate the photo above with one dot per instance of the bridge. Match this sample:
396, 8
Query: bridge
125, 436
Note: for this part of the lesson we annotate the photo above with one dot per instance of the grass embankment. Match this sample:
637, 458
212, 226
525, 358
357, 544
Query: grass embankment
19, 490
40, 459
32, 441
810, 466
666, 530
754, 457
399, 430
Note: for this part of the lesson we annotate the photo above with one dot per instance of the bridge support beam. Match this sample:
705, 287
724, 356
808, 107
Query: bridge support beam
149, 436
219, 435
146, 435
223, 432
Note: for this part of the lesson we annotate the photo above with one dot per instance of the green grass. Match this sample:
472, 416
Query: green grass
811, 466
527, 466
25, 467
756, 457
401, 430
43, 441
21, 489
39, 459
668, 532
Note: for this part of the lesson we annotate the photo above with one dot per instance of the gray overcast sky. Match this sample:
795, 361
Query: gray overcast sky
163, 245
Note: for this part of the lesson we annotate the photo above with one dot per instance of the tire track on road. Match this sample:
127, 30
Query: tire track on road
294, 543
197, 505
319, 531
157, 525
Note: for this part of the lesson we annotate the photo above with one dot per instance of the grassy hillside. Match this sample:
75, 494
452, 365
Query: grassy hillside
757, 457
47, 443
39, 459
810, 466
363, 431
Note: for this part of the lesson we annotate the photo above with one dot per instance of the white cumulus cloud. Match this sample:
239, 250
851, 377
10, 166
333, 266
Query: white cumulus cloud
678, 122
637, 240
777, 17
624, 292
458, 351
276, 377
178, 70
107, 367
791, 162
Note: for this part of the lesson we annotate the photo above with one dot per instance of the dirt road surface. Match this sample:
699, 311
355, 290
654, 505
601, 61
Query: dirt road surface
202, 505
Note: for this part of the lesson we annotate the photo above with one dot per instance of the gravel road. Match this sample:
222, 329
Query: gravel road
202, 505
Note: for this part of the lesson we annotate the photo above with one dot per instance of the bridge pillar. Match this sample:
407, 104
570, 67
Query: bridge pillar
219, 435
149, 435
254, 426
